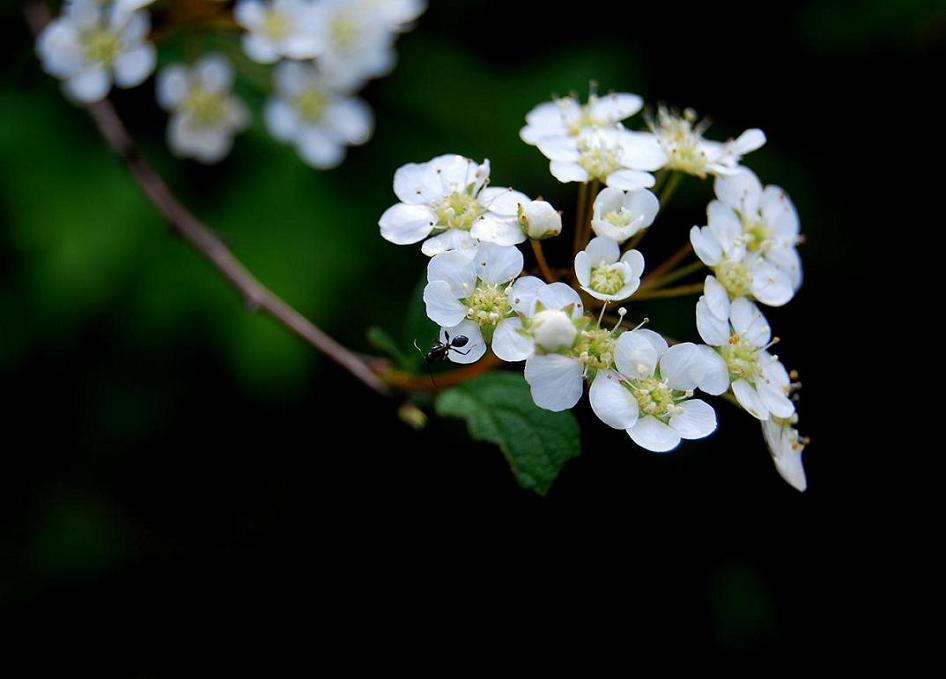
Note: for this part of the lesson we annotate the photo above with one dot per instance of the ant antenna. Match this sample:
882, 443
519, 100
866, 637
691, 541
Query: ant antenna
426, 364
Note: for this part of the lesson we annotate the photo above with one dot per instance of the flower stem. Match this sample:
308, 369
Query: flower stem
580, 216
547, 273
670, 188
679, 291
667, 264
676, 274
405, 381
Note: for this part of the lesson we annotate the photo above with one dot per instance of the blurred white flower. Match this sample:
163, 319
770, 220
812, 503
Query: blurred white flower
786, 447
649, 393
93, 43
605, 274
448, 198
204, 115
740, 335
680, 138
279, 28
567, 117
614, 156
396, 14
318, 120
356, 39
470, 292
618, 214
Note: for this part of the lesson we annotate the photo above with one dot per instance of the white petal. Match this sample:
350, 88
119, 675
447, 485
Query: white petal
749, 399
501, 201
568, 172
790, 468
713, 330
496, 264
171, 86
635, 260
716, 373
717, 297
642, 203
560, 149
775, 399
612, 402
260, 50
779, 212
318, 149
351, 119
652, 434
603, 250
555, 381
749, 322
630, 180
616, 106
656, 340
706, 246
748, 141
132, 67
559, 296
443, 308
281, 119
682, 365
583, 269
524, 293
771, 286
635, 355
474, 348
403, 224
456, 269
88, 86
509, 344
214, 73
741, 191
497, 230
641, 151
249, 13
697, 420
724, 225
418, 183
451, 239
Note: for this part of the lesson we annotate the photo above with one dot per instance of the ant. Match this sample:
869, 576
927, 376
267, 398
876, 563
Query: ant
439, 351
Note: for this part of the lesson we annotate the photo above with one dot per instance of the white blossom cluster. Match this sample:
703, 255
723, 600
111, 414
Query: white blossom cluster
638, 380
323, 51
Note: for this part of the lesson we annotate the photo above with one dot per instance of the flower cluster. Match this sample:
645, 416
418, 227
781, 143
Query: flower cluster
639, 381
323, 52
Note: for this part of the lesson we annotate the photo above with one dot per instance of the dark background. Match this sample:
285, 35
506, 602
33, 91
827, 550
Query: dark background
171, 460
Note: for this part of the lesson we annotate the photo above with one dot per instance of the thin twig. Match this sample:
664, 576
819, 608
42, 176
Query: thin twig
204, 240
667, 264
675, 275
411, 382
678, 291
543, 264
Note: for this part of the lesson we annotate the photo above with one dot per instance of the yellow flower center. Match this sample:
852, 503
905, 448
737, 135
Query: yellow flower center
607, 278
206, 109
458, 211
311, 104
276, 26
101, 46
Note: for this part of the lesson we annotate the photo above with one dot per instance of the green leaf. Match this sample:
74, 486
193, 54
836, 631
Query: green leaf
381, 340
499, 408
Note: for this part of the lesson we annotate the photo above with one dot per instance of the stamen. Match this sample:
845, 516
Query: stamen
601, 315
621, 313
642, 324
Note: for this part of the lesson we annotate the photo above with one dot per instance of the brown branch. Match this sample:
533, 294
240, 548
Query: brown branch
410, 382
667, 264
182, 222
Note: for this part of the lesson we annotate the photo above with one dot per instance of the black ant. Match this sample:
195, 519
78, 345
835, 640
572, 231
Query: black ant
439, 351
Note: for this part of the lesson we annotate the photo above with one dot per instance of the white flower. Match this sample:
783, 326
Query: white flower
648, 395
470, 292
319, 121
396, 14
786, 447
723, 246
618, 214
681, 139
603, 275
615, 156
768, 219
566, 117
93, 43
740, 335
540, 220
279, 28
356, 40
448, 197
204, 115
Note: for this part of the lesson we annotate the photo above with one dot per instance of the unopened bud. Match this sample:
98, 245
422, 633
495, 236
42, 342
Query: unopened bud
553, 330
540, 220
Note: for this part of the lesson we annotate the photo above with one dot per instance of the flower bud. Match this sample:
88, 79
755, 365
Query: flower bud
553, 330
540, 220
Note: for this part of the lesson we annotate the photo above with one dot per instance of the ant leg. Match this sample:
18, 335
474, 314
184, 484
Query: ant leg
462, 353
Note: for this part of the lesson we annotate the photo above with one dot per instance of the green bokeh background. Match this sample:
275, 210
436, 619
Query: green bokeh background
155, 429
